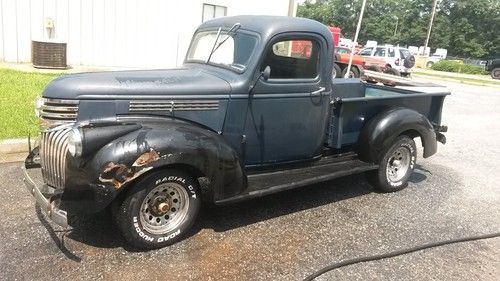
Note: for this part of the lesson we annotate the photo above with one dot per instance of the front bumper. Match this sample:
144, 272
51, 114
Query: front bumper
48, 203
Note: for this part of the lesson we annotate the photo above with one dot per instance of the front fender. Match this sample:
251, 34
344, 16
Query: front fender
156, 144
381, 131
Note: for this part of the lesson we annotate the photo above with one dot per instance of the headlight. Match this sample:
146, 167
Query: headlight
38, 106
75, 140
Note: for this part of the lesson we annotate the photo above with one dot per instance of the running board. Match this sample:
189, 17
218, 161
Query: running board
268, 183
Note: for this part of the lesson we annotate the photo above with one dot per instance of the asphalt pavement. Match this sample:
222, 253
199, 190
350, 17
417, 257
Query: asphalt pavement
289, 235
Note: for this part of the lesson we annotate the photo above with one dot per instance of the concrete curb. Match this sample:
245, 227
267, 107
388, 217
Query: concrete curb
14, 150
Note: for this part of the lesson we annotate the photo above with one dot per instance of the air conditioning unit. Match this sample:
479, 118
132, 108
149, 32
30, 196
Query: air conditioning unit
48, 54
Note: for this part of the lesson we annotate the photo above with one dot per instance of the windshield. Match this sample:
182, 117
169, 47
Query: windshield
234, 53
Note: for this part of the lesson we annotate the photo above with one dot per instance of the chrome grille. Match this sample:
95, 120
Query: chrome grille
57, 117
170, 106
53, 149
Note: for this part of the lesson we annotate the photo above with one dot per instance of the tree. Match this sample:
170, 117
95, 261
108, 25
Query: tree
466, 28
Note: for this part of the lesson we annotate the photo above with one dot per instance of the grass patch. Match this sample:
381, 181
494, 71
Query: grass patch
18, 91
465, 80
458, 67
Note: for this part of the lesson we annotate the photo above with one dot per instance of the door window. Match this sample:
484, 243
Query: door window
379, 52
293, 59
391, 53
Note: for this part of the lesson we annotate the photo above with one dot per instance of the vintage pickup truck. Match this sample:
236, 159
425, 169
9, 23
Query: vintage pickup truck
244, 115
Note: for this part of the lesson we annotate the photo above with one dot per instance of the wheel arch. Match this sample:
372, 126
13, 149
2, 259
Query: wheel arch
155, 146
380, 132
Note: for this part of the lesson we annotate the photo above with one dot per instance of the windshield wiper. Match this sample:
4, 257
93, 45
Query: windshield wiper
216, 46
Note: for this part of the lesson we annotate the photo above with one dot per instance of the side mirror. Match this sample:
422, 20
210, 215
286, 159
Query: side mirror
266, 73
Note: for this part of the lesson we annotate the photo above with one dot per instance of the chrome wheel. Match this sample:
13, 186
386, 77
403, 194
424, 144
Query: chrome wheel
164, 208
398, 165
334, 73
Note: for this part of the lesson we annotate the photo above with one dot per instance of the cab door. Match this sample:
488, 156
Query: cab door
286, 118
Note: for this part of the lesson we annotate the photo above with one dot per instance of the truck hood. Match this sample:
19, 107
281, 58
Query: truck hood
131, 84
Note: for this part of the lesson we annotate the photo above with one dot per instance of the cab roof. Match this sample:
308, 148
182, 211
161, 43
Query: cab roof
268, 26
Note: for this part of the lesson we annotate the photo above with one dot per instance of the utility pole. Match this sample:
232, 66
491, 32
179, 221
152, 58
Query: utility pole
396, 29
355, 39
430, 25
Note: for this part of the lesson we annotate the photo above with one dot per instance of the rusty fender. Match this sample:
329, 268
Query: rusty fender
96, 178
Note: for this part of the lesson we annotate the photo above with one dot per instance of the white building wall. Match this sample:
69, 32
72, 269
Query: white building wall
117, 33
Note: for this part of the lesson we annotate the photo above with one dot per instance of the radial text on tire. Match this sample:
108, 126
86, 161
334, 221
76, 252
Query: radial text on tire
159, 209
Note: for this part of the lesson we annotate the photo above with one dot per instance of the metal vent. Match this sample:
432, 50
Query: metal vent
53, 149
170, 106
48, 54
55, 112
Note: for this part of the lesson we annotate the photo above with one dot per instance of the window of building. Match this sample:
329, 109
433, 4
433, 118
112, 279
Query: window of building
213, 11
292, 59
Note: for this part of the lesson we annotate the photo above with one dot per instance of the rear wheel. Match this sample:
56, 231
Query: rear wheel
495, 73
396, 166
159, 209
336, 72
354, 73
429, 64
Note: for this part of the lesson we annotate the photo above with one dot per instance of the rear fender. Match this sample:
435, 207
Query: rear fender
381, 131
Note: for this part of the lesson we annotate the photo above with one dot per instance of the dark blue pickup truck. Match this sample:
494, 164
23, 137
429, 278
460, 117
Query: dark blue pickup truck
252, 111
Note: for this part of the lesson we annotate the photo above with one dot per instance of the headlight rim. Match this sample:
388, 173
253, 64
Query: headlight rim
75, 142
39, 103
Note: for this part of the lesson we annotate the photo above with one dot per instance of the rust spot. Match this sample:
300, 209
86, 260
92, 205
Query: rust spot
146, 158
118, 174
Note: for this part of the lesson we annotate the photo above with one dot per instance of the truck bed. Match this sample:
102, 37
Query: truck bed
357, 102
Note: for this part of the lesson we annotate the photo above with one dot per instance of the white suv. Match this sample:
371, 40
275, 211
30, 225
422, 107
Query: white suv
399, 61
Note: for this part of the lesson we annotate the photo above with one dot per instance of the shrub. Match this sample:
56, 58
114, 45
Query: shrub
458, 66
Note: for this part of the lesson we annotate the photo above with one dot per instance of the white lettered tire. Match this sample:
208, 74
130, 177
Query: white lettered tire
395, 166
159, 209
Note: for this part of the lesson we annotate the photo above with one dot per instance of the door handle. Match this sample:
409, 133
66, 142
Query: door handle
318, 92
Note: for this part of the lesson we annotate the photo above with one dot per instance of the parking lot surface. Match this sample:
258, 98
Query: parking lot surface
288, 236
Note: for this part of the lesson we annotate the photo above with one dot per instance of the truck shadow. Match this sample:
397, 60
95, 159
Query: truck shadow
100, 231
223, 218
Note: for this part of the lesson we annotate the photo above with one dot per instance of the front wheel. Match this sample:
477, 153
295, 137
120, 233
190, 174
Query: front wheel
159, 209
396, 166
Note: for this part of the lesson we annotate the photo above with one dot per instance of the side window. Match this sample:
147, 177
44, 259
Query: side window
379, 52
391, 53
366, 52
343, 51
292, 59
404, 53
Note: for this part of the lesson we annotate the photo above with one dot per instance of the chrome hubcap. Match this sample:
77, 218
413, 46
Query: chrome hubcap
399, 163
164, 208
